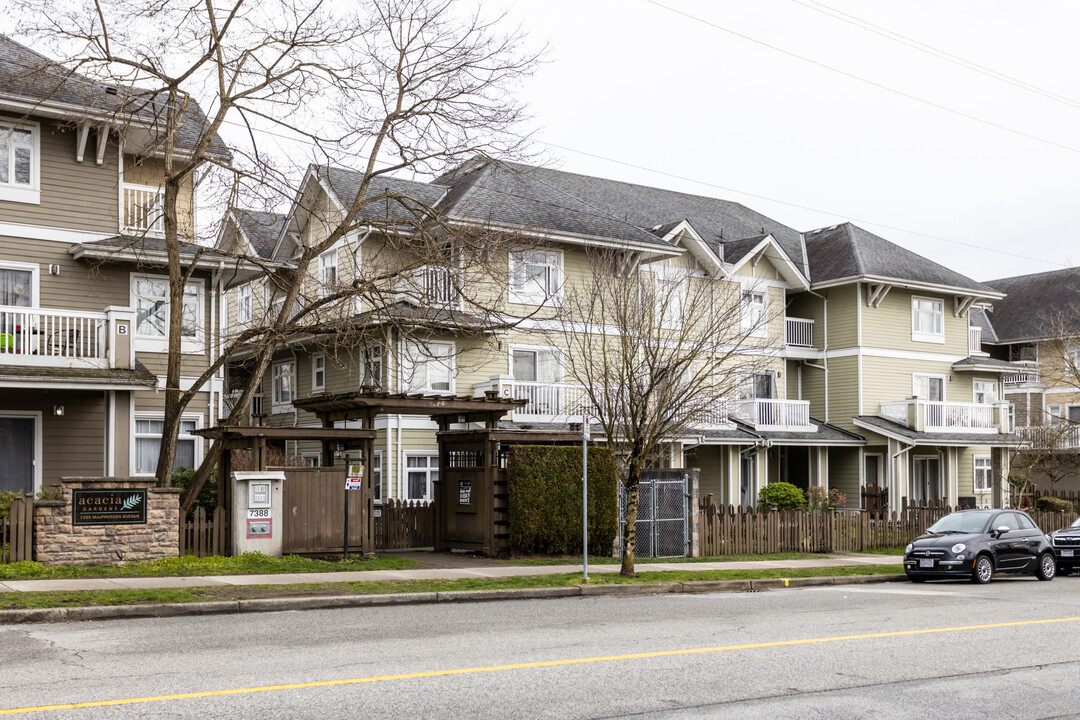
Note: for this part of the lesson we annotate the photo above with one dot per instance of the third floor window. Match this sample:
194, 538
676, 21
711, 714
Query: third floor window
18, 162
927, 319
536, 277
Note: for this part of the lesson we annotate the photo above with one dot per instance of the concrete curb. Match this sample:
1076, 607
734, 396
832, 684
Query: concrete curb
325, 602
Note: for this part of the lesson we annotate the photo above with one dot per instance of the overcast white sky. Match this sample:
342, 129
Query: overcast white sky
632, 82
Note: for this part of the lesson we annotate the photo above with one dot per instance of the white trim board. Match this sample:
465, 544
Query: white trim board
55, 234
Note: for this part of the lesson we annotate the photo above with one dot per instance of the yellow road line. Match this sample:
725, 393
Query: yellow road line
524, 666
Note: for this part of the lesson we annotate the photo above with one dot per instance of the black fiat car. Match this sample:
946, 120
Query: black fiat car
978, 543
1066, 544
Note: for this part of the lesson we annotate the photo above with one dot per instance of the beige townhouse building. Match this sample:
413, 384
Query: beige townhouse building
83, 284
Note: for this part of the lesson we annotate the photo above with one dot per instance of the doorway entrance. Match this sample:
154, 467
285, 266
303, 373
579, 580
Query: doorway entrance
17, 451
927, 480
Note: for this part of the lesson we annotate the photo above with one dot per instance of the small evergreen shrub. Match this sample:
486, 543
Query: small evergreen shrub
784, 496
544, 487
6, 498
1053, 504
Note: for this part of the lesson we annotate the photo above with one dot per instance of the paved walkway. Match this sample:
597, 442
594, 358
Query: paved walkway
464, 567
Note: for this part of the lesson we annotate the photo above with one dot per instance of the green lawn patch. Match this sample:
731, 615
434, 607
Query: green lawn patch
246, 564
207, 594
885, 551
572, 560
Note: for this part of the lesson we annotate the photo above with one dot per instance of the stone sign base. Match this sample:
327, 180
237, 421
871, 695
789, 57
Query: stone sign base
58, 540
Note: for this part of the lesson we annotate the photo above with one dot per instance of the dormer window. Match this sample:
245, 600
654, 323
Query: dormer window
19, 159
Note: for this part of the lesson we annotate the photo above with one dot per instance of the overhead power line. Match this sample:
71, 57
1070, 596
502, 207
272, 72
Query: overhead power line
867, 81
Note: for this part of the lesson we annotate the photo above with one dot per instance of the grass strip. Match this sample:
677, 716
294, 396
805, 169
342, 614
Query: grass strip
598, 560
246, 564
85, 598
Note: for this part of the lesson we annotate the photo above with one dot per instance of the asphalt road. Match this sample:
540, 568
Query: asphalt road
1010, 649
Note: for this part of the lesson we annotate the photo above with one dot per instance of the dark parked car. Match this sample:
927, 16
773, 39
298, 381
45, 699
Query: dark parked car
1066, 544
979, 543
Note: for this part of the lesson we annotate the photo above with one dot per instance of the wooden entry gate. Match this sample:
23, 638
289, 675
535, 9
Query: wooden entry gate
313, 513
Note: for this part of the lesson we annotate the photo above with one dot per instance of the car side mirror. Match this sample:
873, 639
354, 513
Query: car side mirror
1001, 530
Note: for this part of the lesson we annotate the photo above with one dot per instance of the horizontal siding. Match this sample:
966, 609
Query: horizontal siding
889, 380
73, 444
843, 391
78, 196
80, 285
843, 318
844, 473
889, 325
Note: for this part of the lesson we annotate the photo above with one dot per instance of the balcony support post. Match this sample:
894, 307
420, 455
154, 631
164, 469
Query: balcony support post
120, 324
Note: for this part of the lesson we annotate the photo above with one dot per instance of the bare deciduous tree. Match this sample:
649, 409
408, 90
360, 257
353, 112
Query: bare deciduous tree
388, 86
660, 351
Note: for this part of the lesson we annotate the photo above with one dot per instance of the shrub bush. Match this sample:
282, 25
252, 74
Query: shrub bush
819, 499
6, 499
784, 496
207, 498
1053, 504
544, 487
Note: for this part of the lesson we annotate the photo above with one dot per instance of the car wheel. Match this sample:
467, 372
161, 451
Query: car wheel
1047, 567
983, 570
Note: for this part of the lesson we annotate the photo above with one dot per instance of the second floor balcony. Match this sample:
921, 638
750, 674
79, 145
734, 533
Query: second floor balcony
1027, 373
47, 337
775, 414
948, 417
142, 207
798, 332
427, 285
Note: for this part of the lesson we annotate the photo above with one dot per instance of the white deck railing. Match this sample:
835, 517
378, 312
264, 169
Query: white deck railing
1054, 436
47, 337
974, 340
935, 416
799, 332
143, 210
768, 414
427, 285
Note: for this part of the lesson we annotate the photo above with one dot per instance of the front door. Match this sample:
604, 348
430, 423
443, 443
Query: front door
872, 498
17, 454
927, 480
746, 481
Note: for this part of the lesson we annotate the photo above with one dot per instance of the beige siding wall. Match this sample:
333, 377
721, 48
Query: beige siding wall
844, 473
889, 325
78, 196
843, 391
843, 316
150, 172
79, 286
72, 444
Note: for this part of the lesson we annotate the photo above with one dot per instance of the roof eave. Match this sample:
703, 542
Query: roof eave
909, 284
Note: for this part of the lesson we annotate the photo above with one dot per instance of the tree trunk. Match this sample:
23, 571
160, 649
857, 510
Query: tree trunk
633, 477
173, 406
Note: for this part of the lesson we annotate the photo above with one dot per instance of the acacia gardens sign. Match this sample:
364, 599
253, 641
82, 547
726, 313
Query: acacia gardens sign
122, 506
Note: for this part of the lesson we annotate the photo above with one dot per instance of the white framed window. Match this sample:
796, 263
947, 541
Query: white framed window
1072, 358
536, 277
328, 263
670, 297
376, 468
927, 319
311, 459
984, 392
928, 387
753, 313
257, 400
428, 367
536, 364
318, 373
374, 367
284, 385
984, 478
1053, 410
243, 307
150, 298
421, 470
148, 430
1072, 413
754, 385
20, 160
19, 284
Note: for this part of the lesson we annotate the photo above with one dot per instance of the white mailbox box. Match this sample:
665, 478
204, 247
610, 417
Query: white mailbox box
256, 521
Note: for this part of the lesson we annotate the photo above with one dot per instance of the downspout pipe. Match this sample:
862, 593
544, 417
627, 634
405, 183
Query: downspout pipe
825, 348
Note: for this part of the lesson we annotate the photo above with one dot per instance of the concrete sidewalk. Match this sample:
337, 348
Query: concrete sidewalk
487, 570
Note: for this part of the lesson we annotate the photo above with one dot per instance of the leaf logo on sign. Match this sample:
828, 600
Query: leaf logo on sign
130, 502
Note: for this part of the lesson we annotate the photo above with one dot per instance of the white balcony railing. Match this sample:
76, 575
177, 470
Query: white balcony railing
934, 416
1024, 378
1057, 435
799, 332
143, 210
565, 402
53, 338
974, 340
427, 285
769, 414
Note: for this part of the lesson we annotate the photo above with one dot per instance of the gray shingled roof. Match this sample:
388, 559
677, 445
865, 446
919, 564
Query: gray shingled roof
262, 229
562, 202
848, 251
151, 250
1036, 306
824, 435
986, 364
140, 376
31, 76
346, 184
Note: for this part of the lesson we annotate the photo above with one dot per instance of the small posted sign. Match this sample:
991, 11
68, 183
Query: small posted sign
354, 480
108, 507
465, 492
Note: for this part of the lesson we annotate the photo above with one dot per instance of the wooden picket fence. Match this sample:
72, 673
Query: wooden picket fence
17, 532
1028, 499
204, 536
730, 530
401, 524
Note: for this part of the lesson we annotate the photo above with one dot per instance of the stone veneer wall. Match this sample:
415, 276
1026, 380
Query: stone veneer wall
59, 542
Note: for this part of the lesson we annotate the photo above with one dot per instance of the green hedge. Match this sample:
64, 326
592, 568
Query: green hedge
545, 500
